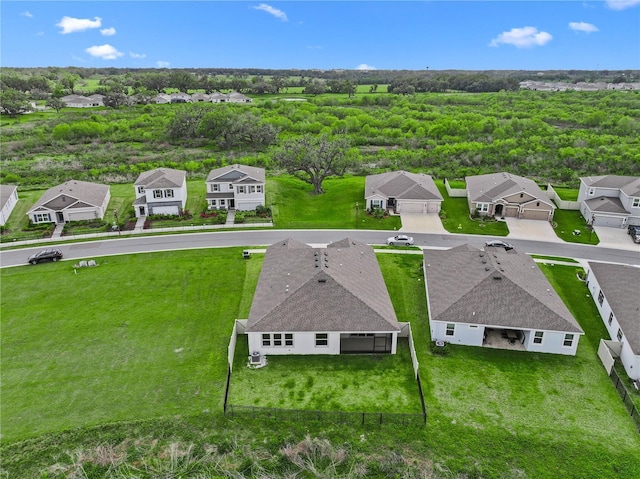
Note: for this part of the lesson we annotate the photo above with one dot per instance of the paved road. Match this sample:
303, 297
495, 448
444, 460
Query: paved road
96, 249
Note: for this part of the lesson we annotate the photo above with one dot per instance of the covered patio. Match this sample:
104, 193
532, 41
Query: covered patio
503, 339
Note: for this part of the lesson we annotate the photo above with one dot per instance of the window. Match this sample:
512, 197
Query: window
230, 186
288, 339
215, 187
168, 193
600, 297
636, 203
259, 189
619, 335
140, 190
322, 339
157, 193
241, 189
213, 202
610, 318
42, 217
376, 203
222, 202
537, 337
482, 207
568, 340
451, 329
277, 339
252, 189
266, 339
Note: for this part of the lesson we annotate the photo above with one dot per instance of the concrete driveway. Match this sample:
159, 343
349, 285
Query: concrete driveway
615, 238
536, 230
421, 223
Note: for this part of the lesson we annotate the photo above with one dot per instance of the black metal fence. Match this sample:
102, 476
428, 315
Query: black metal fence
333, 417
626, 395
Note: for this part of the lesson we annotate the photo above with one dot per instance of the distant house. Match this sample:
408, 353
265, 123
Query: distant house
614, 289
200, 97
8, 200
496, 299
217, 97
329, 300
71, 201
610, 200
402, 192
161, 99
237, 187
235, 97
80, 101
180, 97
505, 194
162, 191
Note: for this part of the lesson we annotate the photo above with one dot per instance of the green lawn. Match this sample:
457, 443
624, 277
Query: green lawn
569, 220
295, 206
567, 194
456, 219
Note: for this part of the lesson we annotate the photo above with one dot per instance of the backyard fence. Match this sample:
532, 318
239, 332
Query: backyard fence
626, 397
333, 417
562, 204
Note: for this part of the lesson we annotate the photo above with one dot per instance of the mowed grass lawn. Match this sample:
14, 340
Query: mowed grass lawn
294, 205
137, 337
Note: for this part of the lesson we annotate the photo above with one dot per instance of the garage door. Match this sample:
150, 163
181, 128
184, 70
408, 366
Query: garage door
165, 210
433, 207
610, 221
535, 215
511, 211
406, 207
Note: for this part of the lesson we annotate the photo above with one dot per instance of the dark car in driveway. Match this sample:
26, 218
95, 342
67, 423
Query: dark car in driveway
634, 231
45, 255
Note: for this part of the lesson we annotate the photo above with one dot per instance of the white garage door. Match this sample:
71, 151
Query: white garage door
165, 210
610, 221
433, 207
406, 207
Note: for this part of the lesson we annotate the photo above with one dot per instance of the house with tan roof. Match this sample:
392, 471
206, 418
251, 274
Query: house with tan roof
238, 187
8, 200
504, 194
402, 192
71, 201
162, 191
497, 299
610, 200
614, 289
329, 300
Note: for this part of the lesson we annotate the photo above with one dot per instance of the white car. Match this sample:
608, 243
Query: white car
400, 240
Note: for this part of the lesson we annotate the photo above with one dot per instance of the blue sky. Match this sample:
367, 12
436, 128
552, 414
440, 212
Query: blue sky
412, 35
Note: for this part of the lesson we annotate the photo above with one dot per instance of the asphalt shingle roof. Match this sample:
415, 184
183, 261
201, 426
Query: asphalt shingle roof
490, 188
629, 184
161, 178
62, 196
619, 283
606, 204
504, 289
402, 185
338, 288
236, 173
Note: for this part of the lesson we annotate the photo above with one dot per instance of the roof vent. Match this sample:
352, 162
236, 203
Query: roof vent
498, 277
322, 280
486, 268
484, 261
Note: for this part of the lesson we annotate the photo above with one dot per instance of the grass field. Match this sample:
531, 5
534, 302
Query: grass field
570, 220
295, 206
567, 194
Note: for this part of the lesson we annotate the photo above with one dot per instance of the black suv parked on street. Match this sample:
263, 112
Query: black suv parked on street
45, 255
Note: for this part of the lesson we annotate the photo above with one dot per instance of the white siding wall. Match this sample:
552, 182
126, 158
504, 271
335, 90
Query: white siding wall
8, 207
368, 202
303, 343
552, 342
248, 201
464, 333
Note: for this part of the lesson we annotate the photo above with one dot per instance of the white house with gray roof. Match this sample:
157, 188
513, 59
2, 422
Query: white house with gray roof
329, 300
162, 191
8, 200
238, 187
402, 192
496, 299
610, 200
504, 194
71, 201
614, 289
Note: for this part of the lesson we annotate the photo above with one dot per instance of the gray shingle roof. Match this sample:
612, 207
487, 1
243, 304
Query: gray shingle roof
619, 283
338, 288
490, 188
161, 178
402, 185
62, 196
236, 174
629, 184
503, 289
606, 204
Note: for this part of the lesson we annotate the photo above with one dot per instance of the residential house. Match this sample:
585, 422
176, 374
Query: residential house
71, 201
236, 97
80, 101
329, 300
504, 194
614, 289
236, 187
180, 97
162, 191
217, 97
610, 200
402, 192
161, 99
199, 97
496, 299
8, 200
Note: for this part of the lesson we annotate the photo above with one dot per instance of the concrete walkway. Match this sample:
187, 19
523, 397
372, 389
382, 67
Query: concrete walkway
231, 217
57, 232
535, 230
421, 223
140, 224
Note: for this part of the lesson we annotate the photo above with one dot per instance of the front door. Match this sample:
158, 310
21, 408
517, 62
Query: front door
499, 210
60, 217
232, 204
142, 213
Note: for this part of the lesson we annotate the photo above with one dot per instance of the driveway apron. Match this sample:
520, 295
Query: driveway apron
421, 223
536, 230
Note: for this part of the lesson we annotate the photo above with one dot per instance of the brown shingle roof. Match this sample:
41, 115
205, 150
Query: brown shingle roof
161, 178
402, 185
62, 196
338, 288
504, 289
492, 187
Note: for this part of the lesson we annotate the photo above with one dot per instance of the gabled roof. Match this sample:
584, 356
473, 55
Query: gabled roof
503, 289
338, 288
402, 185
236, 174
619, 283
490, 188
6, 191
630, 185
161, 178
606, 204
68, 194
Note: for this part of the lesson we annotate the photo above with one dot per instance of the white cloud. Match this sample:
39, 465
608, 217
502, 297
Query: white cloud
162, 64
137, 55
522, 38
70, 25
622, 4
27, 14
364, 66
272, 11
582, 27
106, 52
108, 32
